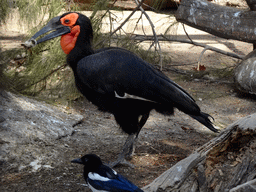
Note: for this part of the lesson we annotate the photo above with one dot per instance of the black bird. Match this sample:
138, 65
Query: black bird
116, 80
100, 177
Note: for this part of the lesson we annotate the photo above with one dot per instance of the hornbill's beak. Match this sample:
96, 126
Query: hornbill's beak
55, 26
77, 161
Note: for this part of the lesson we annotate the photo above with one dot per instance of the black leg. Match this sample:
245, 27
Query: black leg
129, 146
126, 152
142, 122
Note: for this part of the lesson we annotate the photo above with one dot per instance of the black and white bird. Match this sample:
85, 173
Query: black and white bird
116, 80
100, 177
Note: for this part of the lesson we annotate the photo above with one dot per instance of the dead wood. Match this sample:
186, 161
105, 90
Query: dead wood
156, 42
224, 163
166, 38
244, 74
222, 21
251, 4
122, 24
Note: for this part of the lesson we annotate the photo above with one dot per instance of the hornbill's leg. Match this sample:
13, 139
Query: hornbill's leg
129, 145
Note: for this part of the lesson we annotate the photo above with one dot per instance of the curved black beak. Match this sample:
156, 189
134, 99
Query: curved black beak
55, 26
79, 161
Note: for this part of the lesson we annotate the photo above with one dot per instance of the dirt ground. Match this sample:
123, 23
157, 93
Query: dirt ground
163, 141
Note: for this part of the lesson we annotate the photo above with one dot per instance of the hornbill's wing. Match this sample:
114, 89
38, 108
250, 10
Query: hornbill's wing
119, 72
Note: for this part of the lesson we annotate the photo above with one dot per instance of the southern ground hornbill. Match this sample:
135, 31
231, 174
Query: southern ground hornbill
116, 80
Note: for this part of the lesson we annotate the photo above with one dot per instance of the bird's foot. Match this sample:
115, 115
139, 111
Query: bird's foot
121, 161
128, 151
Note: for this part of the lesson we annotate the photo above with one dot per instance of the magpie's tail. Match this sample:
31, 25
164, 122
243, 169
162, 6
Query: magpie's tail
204, 118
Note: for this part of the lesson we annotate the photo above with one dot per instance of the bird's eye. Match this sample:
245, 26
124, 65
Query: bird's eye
67, 21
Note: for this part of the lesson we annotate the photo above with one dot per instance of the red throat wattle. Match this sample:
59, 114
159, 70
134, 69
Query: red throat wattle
68, 41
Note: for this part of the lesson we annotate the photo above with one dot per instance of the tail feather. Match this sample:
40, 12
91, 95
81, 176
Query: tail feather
204, 118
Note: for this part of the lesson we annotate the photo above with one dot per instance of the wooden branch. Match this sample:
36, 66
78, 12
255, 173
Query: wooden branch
200, 57
252, 5
154, 33
200, 167
186, 33
45, 77
122, 24
222, 21
165, 38
244, 74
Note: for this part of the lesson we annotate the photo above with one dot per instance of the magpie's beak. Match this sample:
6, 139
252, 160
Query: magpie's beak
55, 26
79, 161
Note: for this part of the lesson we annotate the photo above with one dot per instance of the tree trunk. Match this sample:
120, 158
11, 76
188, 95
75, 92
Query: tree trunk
226, 163
222, 21
252, 5
244, 74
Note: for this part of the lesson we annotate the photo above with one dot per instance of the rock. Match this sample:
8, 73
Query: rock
28, 126
245, 74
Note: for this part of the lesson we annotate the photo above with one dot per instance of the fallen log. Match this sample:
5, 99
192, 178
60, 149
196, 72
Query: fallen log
244, 74
226, 163
251, 4
222, 21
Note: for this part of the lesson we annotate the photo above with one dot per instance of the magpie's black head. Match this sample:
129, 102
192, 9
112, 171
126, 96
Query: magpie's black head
90, 161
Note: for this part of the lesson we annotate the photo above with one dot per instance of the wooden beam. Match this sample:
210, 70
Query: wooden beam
252, 5
222, 21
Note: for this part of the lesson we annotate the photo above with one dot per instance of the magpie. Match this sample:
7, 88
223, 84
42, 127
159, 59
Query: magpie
100, 177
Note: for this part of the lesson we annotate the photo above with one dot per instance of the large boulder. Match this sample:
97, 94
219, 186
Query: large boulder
28, 127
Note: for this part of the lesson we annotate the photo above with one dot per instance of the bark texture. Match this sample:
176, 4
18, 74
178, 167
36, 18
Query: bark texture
226, 163
222, 21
